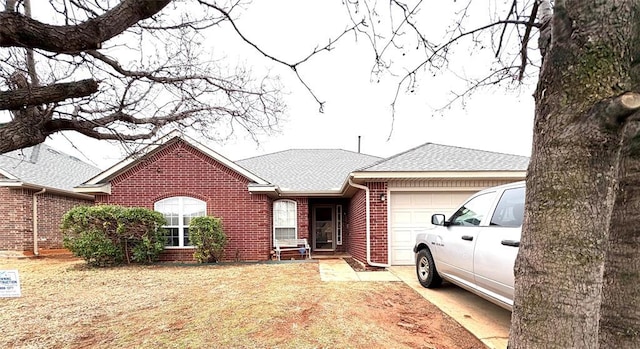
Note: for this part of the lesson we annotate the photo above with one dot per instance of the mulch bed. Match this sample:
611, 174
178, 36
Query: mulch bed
357, 266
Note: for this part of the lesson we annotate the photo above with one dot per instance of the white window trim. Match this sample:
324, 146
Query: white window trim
180, 225
295, 218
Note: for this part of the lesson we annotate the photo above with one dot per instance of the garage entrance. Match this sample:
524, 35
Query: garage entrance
410, 214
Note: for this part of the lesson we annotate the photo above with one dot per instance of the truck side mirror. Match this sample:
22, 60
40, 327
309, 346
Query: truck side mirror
437, 219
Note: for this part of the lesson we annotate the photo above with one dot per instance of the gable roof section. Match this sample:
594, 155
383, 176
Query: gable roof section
44, 166
99, 183
431, 157
308, 170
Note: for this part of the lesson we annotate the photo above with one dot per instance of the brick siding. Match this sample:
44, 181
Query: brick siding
179, 169
16, 226
357, 237
379, 232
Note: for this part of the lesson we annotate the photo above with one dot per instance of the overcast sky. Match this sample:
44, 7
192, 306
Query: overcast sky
494, 120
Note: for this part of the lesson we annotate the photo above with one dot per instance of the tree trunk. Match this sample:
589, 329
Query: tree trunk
568, 281
620, 310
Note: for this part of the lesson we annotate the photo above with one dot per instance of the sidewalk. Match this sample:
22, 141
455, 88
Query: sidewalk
339, 270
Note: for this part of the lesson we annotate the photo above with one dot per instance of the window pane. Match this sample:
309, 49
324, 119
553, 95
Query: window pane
510, 209
178, 211
194, 207
284, 214
171, 219
170, 209
473, 211
285, 233
173, 238
186, 237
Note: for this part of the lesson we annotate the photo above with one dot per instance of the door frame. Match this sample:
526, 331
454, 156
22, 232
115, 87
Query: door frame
333, 227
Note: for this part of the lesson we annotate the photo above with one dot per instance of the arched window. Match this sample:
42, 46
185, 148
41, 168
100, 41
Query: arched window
178, 212
285, 215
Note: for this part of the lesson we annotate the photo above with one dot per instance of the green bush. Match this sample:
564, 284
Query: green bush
108, 235
208, 238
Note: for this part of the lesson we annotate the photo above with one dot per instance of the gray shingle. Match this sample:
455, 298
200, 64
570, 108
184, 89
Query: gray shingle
307, 169
438, 157
43, 165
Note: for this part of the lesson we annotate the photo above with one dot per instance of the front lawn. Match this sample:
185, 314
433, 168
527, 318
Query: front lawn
65, 304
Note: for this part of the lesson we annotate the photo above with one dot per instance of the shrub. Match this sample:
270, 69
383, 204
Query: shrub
208, 238
108, 234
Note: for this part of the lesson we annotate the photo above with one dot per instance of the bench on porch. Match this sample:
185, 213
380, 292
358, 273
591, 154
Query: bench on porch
300, 245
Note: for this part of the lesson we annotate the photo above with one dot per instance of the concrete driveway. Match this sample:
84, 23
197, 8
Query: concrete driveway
487, 321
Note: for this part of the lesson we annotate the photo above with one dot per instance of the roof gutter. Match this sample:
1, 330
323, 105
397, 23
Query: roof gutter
19, 184
325, 193
438, 174
35, 220
368, 223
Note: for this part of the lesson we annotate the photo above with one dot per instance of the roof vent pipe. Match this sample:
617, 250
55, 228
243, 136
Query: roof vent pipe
358, 144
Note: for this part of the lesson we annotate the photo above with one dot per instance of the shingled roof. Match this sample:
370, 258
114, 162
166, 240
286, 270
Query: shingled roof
44, 166
431, 157
307, 169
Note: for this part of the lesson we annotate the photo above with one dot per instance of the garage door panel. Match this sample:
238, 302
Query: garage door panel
401, 217
402, 236
408, 218
401, 201
410, 214
421, 200
422, 217
402, 257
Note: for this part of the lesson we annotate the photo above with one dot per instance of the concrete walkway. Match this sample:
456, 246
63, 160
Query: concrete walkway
486, 321
339, 270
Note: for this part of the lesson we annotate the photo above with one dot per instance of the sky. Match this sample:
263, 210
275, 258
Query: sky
494, 120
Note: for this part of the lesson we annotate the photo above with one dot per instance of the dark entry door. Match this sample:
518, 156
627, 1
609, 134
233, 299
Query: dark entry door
323, 226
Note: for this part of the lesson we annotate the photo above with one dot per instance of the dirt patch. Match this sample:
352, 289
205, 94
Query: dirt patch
67, 305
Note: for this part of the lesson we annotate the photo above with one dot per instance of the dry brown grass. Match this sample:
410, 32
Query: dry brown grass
65, 304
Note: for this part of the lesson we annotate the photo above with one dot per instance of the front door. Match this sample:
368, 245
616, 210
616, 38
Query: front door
323, 228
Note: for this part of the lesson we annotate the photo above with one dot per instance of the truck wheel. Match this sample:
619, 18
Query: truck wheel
426, 270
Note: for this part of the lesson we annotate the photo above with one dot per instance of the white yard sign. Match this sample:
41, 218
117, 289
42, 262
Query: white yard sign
9, 283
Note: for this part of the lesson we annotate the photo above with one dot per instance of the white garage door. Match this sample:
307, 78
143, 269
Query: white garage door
411, 214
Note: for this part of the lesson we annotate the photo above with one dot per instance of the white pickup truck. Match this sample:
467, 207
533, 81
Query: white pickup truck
477, 246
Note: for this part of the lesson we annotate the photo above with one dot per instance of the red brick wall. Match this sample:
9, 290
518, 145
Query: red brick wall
303, 219
181, 170
379, 233
357, 238
51, 208
16, 227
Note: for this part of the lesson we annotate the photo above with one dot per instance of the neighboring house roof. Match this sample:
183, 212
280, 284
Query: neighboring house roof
44, 166
309, 170
431, 157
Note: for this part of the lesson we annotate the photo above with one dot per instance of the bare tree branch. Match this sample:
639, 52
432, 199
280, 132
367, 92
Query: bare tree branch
33, 96
18, 30
525, 39
294, 66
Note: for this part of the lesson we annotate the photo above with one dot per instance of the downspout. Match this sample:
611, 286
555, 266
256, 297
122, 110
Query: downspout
35, 220
368, 223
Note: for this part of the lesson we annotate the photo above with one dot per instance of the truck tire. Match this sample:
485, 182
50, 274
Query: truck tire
426, 270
